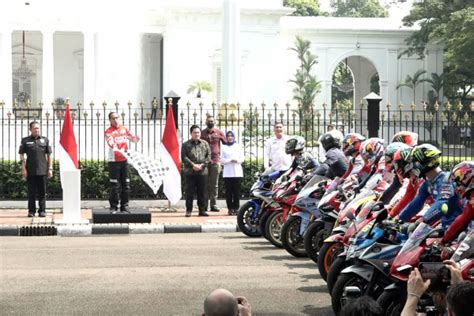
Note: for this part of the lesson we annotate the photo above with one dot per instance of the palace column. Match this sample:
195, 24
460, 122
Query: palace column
48, 69
6, 84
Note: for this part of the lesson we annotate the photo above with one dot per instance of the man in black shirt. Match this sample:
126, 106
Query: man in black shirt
36, 167
196, 155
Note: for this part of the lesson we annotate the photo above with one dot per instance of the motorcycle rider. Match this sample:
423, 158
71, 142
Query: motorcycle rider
399, 162
404, 137
335, 164
372, 151
463, 177
295, 147
424, 162
351, 148
396, 185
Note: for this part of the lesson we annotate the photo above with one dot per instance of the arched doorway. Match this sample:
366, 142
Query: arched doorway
353, 78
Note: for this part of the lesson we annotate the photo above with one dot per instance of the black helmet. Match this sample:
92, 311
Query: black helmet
328, 141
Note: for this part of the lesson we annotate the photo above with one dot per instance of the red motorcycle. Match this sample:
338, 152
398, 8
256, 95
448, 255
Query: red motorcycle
285, 193
421, 249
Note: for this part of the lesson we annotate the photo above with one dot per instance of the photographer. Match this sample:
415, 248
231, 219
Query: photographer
416, 287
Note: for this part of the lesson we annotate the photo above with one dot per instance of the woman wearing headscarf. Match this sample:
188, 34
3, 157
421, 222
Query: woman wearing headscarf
232, 157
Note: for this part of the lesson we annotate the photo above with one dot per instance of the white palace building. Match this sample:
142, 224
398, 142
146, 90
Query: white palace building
136, 50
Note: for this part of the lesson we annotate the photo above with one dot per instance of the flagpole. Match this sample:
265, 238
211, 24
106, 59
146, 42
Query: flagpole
169, 208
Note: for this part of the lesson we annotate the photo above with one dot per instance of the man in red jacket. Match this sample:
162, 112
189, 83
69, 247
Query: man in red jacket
117, 137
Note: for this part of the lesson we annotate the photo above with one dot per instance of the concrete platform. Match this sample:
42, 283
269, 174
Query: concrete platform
135, 215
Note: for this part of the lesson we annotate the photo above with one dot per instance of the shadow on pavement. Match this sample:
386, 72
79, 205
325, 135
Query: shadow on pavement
258, 248
314, 289
280, 258
320, 311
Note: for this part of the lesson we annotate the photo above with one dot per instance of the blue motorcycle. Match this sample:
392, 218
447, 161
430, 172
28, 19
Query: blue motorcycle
250, 213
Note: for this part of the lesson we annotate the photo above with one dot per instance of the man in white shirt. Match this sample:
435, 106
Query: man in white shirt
275, 156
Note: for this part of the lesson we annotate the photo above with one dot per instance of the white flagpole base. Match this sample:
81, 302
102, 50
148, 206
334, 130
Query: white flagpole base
71, 183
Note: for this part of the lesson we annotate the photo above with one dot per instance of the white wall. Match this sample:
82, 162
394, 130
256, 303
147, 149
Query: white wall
69, 66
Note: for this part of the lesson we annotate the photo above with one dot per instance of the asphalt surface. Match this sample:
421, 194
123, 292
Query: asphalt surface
168, 274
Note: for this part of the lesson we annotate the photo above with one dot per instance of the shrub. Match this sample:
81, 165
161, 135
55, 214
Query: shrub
95, 183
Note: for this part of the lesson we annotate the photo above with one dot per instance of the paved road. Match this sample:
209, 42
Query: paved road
166, 274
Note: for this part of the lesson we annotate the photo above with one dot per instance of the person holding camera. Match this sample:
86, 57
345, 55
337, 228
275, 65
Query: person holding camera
221, 302
458, 295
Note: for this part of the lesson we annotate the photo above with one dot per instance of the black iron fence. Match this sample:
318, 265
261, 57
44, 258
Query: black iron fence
448, 126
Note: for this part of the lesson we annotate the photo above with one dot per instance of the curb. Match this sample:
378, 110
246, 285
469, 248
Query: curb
125, 229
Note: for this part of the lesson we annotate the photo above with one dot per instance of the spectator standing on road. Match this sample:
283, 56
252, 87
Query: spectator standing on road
274, 155
37, 166
221, 302
213, 136
196, 155
117, 137
232, 157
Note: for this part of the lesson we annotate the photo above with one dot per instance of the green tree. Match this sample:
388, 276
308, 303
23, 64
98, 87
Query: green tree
437, 83
307, 86
342, 86
199, 86
304, 7
358, 8
413, 82
451, 23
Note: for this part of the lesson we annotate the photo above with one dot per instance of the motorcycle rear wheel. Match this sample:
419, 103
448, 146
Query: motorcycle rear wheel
273, 228
247, 224
291, 239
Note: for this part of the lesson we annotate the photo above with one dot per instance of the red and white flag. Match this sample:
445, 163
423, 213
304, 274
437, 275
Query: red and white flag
68, 147
169, 152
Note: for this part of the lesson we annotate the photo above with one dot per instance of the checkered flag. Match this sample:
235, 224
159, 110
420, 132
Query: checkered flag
152, 171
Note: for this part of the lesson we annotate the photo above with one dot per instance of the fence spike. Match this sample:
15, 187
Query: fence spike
129, 103
104, 104
79, 104
2, 104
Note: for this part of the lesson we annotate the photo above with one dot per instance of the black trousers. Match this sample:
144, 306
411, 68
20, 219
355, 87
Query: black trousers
232, 193
196, 184
118, 177
36, 187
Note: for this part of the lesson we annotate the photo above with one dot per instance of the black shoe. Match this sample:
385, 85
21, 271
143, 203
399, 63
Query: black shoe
230, 212
125, 209
31, 214
188, 214
42, 214
214, 209
203, 214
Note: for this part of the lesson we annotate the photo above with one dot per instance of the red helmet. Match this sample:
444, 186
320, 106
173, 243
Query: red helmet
462, 175
409, 138
351, 143
401, 161
372, 149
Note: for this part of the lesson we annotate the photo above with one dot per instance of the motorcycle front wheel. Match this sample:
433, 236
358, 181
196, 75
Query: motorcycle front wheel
273, 228
392, 302
247, 221
335, 270
327, 254
291, 239
312, 240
